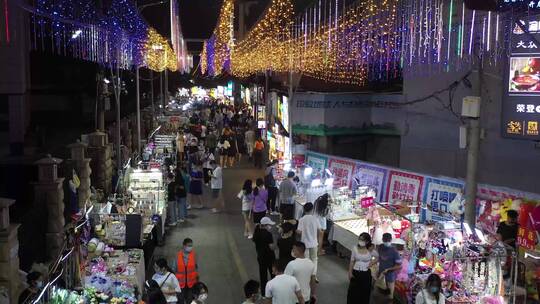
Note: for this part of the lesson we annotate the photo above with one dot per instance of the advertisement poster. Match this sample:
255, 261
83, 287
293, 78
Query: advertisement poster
520, 106
372, 176
342, 171
438, 194
403, 186
317, 161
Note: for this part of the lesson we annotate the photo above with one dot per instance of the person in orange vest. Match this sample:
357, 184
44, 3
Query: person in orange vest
186, 270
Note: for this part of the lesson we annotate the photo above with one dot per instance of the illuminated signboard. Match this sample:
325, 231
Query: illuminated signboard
520, 4
521, 99
261, 117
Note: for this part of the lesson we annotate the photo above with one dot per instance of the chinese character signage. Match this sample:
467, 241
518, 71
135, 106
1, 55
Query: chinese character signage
367, 202
371, 176
526, 238
524, 5
317, 162
521, 102
438, 194
403, 186
342, 171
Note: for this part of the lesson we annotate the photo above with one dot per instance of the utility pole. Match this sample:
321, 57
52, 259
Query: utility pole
137, 89
289, 111
473, 149
152, 96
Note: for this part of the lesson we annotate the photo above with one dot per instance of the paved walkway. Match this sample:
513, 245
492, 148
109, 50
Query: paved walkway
227, 259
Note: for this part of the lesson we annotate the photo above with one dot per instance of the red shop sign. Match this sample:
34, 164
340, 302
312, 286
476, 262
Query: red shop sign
367, 202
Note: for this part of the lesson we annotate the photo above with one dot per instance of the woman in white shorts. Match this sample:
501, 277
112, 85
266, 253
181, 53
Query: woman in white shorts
246, 195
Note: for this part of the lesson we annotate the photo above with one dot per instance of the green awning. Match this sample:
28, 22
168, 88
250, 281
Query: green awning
323, 130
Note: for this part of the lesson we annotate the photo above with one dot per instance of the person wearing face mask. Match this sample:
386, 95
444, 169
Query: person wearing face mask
35, 284
363, 256
186, 269
264, 245
200, 293
167, 281
432, 292
252, 292
389, 262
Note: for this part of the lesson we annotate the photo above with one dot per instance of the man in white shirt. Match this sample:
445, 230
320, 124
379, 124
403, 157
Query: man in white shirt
303, 270
309, 227
216, 183
283, 288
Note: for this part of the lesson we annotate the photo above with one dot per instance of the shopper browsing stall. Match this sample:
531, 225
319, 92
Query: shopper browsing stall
167, 281
432, 292
287, 191
309, 228
507, 230
363, 257
172, 206
321, 212
389, 262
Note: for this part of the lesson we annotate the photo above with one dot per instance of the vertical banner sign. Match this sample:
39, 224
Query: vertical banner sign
403, 186
438, 194
342, 171
526, 238
371, 176
521, 105
317, 161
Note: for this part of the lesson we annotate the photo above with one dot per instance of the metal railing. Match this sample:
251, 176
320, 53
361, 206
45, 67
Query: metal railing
63, 272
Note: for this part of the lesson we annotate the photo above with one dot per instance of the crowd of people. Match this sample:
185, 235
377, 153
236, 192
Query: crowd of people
215, 139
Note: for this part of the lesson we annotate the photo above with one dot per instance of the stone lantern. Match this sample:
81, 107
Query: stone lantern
48, 191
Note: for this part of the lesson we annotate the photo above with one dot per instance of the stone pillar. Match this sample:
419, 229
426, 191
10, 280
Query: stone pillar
9, 252
49, 191
100, 151
82, 166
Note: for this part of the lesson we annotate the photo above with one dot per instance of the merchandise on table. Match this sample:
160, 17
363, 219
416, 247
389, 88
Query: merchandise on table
116, 274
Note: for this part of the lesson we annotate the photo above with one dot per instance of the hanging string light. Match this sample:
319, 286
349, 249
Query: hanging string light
433, 43
114, 36
158, 53
223, 36
267, 45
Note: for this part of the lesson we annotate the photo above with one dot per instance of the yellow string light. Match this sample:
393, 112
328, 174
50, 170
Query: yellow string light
267, 45
343, 50
204, 59
223, 34
158, 53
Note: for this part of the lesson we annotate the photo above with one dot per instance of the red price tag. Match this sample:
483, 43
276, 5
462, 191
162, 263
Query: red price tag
367, 202
526, 238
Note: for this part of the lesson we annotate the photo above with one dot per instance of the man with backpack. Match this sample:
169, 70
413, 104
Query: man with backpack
258, 153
